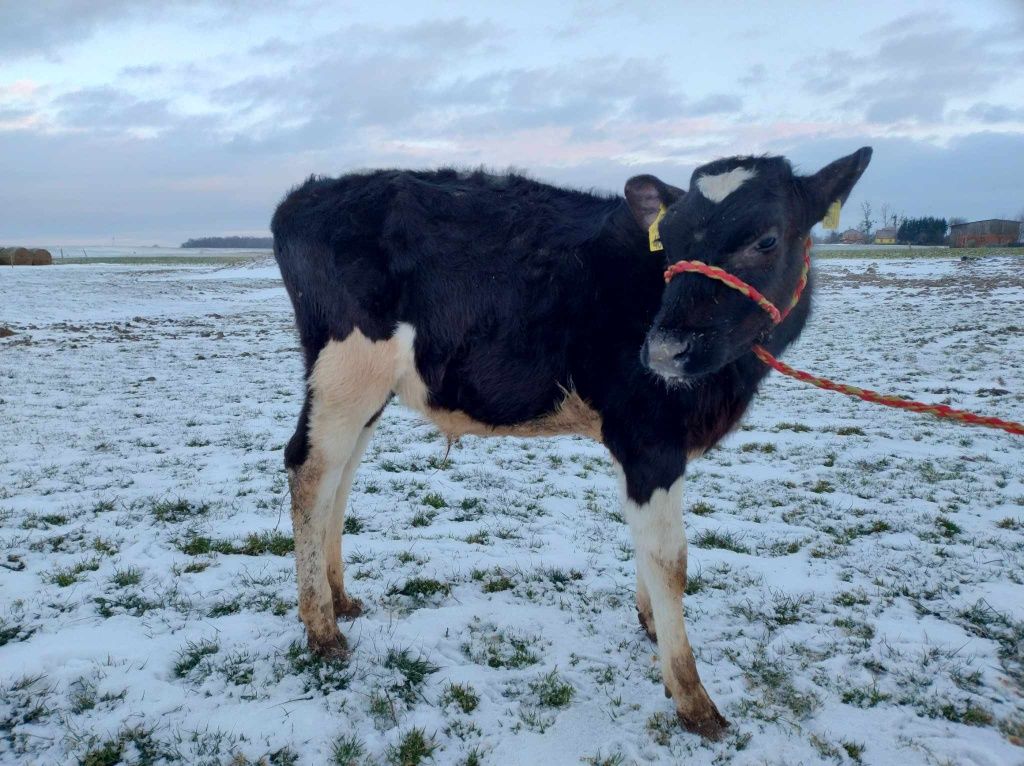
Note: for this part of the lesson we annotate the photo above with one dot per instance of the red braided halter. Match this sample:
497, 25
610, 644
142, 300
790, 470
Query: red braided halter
938, 410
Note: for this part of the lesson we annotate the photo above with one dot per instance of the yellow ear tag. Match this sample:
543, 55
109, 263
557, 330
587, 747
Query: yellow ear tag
653, 236
831, 219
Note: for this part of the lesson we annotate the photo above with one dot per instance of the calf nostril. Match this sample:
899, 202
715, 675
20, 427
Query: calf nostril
682, 348
664, 352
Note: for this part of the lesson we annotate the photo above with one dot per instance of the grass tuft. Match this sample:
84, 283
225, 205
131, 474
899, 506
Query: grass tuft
414, 747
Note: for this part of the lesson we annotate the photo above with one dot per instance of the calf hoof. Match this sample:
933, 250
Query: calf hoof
334, 648
349, 608
647, 623
709, 724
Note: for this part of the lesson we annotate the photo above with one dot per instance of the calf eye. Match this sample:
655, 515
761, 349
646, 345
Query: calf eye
766, 243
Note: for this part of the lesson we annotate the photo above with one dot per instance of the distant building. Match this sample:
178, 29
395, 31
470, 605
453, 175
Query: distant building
886, 236
853, 237
992, 232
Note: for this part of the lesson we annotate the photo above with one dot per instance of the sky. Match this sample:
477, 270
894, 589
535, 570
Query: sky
149, 123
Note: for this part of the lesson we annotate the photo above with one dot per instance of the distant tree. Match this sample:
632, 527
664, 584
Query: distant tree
922, 231
867, 222
886, 213
256, 242
956, 219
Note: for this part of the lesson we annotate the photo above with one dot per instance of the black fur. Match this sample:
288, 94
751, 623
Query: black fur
520, 291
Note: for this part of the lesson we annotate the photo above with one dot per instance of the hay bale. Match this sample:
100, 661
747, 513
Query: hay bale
22, 256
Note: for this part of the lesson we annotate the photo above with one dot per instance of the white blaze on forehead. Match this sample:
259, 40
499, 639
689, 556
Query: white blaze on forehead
716, 188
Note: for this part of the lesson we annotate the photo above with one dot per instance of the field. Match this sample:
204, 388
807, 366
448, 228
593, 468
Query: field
856, 590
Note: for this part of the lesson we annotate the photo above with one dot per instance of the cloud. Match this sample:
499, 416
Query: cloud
914, 67
986, 111
107, 108
46, 27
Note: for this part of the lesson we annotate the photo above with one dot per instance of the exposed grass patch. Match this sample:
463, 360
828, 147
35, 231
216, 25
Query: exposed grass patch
947, 527
795, 427
435, 501
496, 648
125, 578
423, 518
132, 604
850, 431
414, 747
420, 588
12, 632
192, 655
138, 740
701, 508
551, 690
353, 524
414, 671
776, 697
347, 750
66, 576
317, 673
256, 544
463, 695
178, 510
712, 538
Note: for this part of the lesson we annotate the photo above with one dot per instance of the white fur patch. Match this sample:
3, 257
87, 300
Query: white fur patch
717, 188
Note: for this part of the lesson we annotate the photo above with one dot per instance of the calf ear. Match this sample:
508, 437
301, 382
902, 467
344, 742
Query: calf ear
646, 194
833, 182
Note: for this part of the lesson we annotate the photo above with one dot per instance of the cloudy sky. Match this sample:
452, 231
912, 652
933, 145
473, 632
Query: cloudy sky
155, 122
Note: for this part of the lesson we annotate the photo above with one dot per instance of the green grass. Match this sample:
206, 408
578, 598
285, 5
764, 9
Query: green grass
347, 750
414, 747
552, 691
317, 674
711, 538
138, 740
124, 578
435, 501
193, 654
766, 447
463, 695
66, 576
500, 649
414, 671
161, 260
420, 588
255, 544
918, 251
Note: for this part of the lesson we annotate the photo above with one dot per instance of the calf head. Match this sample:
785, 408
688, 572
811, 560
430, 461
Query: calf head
749, 216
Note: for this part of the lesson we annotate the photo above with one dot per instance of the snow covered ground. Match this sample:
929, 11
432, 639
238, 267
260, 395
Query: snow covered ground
856, 573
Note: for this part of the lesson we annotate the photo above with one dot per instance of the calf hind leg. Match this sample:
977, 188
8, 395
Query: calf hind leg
350, 382
344, 605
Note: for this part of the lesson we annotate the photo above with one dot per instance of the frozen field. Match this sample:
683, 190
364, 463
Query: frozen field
856, 574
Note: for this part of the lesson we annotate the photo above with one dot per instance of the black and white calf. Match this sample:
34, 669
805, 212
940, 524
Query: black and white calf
494, 304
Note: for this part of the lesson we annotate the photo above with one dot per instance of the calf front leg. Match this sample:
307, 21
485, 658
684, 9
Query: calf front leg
656, 522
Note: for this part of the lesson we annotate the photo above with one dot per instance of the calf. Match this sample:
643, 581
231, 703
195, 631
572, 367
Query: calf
497, 305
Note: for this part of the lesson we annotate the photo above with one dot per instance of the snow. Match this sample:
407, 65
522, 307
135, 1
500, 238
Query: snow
871, 611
